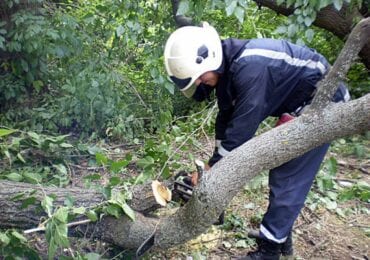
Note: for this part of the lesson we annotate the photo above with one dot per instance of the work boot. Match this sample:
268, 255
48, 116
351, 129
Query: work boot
286, 247
267, 250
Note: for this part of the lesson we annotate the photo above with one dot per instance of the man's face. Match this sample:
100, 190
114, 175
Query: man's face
209, 78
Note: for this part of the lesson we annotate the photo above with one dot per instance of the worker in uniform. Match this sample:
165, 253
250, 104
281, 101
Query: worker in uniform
254, 79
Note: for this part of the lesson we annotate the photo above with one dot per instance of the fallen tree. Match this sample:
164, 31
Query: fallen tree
321, 124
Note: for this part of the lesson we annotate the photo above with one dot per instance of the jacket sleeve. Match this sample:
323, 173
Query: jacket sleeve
251, 84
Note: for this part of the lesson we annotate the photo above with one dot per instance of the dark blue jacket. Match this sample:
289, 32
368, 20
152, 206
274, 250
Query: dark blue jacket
260, 78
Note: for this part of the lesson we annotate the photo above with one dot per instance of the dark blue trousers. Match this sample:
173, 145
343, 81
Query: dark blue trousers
289, 185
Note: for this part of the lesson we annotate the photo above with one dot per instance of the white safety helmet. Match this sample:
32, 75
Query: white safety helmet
191, 51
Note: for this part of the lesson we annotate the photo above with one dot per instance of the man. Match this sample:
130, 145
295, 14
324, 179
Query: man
254, 79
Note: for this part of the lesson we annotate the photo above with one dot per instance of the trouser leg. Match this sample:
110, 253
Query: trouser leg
289, 185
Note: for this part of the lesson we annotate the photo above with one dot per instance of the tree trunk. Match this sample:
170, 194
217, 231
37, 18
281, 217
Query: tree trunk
338, 22
122, 231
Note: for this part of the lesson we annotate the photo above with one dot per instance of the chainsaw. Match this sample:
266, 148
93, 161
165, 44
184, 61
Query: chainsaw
183, 187
184, 182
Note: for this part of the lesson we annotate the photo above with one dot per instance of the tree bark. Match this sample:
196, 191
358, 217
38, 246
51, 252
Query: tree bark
340, 23
13, 195
122, 231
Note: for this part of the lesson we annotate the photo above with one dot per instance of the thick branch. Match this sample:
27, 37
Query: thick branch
327, 87
13, 195
338, 22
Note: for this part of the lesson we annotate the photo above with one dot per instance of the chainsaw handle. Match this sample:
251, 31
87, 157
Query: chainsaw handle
200, 168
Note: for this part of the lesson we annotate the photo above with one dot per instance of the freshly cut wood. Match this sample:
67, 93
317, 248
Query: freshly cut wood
161, 193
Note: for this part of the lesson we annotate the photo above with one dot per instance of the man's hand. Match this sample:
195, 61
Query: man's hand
195, 175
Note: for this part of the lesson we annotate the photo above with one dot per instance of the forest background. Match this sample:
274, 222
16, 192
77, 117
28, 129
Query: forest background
85, 102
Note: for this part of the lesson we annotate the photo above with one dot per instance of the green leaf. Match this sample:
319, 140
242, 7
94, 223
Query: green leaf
19, 236
20, 157
114, 210
47, 205
128, 211
79, 210
360, 151
32, 177
61, 235
170, 87
69, 201
38, 84
183, 7
230, 7
330, 204
114, 181
292, 29
239, 14
281, 29
332, 166
91, 214
4, 239
66, 145
117, 166
324, 3
309, 34
5, 132
61, 168
338, 4
52, 248
61, 214
34, 136
101, 159
241, 244
145, 162
14, 176
308, 21
28, 201
120, 30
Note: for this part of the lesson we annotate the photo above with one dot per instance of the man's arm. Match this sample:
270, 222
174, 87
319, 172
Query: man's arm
250, 83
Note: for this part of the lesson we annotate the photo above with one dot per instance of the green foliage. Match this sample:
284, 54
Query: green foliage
85, 69
161, 154
329, 190
359, 78
14, 245
34, 158
359, 191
